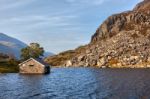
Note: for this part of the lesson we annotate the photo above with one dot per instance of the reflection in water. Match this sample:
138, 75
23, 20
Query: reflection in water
78, 83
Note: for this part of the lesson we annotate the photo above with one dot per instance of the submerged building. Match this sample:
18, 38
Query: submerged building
34, 66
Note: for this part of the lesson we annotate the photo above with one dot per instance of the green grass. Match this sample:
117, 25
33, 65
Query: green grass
7, 68
60, 59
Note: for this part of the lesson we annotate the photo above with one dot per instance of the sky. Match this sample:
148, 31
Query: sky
57, 25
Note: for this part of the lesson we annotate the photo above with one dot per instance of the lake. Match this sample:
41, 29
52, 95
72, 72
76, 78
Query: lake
78, 83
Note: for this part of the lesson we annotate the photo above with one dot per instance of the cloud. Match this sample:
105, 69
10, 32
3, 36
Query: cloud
86, 2
38, 18
9, 4
38, 22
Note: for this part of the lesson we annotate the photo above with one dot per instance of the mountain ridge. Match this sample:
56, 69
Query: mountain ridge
122, 40
10, 45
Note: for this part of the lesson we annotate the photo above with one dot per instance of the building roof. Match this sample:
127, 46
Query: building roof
41, 61
37, 60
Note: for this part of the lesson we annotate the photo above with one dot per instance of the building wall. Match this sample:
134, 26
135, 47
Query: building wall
36, 67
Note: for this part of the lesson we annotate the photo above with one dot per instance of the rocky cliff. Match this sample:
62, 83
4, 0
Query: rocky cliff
123, 40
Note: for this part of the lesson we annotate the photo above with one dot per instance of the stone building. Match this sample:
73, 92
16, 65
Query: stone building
34, 66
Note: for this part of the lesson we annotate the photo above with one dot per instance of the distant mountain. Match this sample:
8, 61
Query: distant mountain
46, 54
10, 46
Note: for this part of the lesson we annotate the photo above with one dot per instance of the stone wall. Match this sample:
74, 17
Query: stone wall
27, 67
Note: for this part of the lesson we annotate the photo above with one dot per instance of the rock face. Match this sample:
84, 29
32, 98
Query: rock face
123, 40
143, 6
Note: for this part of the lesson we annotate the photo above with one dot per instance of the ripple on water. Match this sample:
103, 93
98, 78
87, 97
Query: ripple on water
78, 83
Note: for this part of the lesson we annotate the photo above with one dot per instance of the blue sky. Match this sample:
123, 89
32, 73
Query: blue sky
58, 25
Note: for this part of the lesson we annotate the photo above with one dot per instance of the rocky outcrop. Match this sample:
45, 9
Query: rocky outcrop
143, 6
127, 21
122, 50
123, 40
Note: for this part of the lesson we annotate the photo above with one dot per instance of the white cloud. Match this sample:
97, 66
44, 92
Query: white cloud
9, 4
86, 2
39, 18
38, 21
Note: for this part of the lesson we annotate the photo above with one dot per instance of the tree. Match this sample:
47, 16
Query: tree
33, 50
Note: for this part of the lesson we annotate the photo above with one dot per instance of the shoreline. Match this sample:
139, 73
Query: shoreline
63, 67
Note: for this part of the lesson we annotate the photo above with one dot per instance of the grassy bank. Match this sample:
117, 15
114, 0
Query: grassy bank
8, 68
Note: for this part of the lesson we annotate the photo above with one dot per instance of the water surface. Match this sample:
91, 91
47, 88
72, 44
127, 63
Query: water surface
78, 83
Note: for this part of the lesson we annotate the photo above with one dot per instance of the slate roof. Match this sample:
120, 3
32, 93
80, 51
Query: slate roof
36, 59
41, 61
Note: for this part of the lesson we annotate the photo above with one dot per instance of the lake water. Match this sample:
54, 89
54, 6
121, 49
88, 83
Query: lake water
78, 83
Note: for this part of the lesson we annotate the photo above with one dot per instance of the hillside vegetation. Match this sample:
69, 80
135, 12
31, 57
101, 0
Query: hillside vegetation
61, 58
8, 65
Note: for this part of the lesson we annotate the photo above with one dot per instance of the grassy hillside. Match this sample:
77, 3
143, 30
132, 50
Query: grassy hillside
8, 65
60, 59
8, 69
